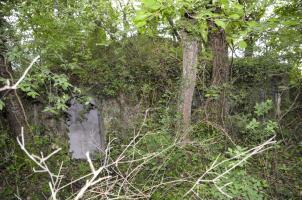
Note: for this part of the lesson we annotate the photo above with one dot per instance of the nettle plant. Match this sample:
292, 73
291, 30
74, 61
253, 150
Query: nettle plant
44, 83
262, 126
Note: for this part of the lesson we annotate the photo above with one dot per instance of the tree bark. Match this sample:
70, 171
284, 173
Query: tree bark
217, 108
15, 113
190, 60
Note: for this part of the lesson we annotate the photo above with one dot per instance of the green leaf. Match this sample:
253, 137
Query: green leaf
224, 3
141, 16
50, 110
33, 94
263, 107
238, 7
220, 23
203, 30
242, 44
253, 124
2, 104
291, 23
140, 23
151, 4
252, 24
234, 16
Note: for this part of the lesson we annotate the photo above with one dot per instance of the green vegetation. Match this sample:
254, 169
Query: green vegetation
199, 99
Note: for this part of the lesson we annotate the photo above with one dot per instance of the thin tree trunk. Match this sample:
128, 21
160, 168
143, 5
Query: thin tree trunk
15, 114
190, 60
217, 108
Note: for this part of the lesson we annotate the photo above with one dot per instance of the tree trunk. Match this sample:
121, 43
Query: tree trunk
217, 108
190, 60
15, 114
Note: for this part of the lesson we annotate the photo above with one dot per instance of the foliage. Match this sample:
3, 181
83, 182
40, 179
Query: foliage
263, 107
258, 127
140, 65
57, 93
169, 162
17, 168
249, 186
132, 49
193, 16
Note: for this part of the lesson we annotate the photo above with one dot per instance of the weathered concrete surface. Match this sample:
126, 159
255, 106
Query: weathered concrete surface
85, 131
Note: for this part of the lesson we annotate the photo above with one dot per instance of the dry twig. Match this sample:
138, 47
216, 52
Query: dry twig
8, 85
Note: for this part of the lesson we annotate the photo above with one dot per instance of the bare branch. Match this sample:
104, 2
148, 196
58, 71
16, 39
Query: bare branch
8, 85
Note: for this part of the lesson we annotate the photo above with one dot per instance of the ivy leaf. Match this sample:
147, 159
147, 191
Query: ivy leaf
242, 44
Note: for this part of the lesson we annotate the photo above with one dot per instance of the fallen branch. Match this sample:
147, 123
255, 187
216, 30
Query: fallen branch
247, 154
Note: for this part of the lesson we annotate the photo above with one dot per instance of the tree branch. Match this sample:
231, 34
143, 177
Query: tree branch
8, 86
